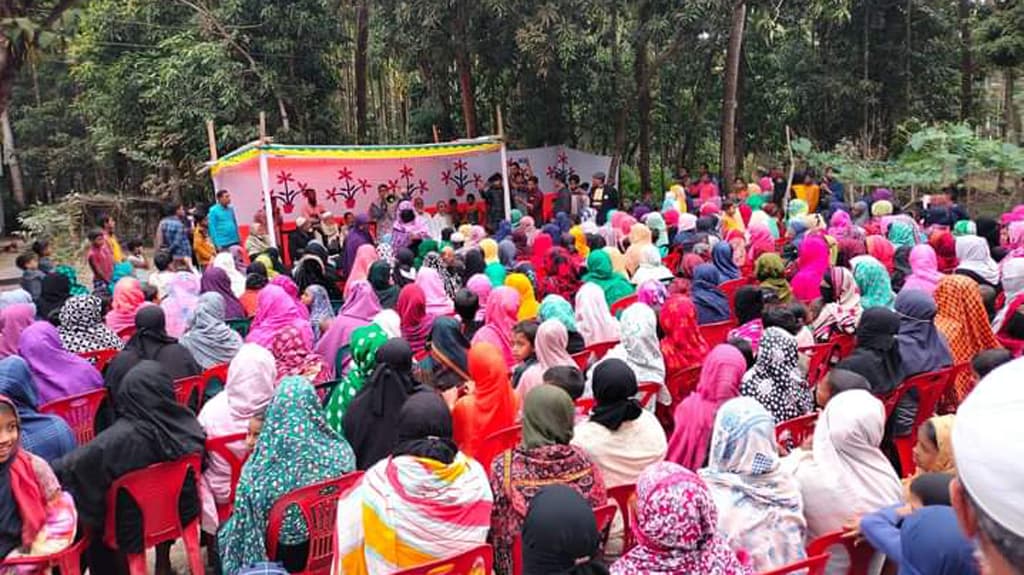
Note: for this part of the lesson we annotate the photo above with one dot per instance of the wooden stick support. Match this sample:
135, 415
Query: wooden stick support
437, 135
501, 124
263, 128
211, 137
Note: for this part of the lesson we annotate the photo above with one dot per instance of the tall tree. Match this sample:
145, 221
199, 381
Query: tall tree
730, 99
361, 56
1002, 45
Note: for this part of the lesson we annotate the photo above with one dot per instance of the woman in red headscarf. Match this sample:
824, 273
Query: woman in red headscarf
944, 245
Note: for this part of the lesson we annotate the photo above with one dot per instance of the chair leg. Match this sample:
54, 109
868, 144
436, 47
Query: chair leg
190, 535
137, 563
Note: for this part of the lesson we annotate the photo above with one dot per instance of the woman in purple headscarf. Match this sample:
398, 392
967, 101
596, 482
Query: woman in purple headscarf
408, 228
357, 237
57, 373
216, 280
359, 308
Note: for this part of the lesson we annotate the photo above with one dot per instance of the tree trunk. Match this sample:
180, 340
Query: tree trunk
907, 56
362, 49
1011, 129
11, 159
966, 62
643, 109
465, 70
729, 98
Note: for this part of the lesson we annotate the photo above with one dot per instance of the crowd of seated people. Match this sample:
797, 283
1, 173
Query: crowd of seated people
498, 384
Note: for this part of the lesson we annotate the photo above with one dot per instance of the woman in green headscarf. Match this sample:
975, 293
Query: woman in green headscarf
364, 344
901, 234
961, 228
425, 247
493, 270
656, 223
70, 273
600, 272
544, 457
295, 448
797, 209
557, 307
770, 270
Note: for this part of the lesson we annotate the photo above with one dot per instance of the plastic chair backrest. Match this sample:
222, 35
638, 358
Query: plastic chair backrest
477, 561
241, 326
67, 560
930, 389
186, 387
730, 288
601, 348
604, 515
503, 439
683, 383
860, 554
214, 378
812, 566
318, 504
99, 358
585, 405
625, 499
648, 392
716, 333
793, 432
1015, 346
79, 412
817, 366
582, 359
220, 446
844, 344
155, 489
617, 307
126, 333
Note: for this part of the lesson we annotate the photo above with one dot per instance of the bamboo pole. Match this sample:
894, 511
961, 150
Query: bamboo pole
211, 138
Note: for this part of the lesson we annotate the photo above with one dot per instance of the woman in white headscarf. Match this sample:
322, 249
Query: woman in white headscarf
976, 261
593, 318
640, 349
844, 475
226, 262
210, 341
759, 504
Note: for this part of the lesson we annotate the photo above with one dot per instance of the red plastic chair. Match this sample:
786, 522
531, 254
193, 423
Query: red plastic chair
600, 349
930, 389
817, 367
648, 392
730, 288
69, 560
683, 383
603, 515
79, 412
185, 387
99, 358
318, 504
582, 359
126, 333
1015, 346
476, 561
503, 439
156, 489
793, 432
844, 344
622, 304
860, 554
219, 446
625, 499
215, 373
812, 566
716, 333
780, 244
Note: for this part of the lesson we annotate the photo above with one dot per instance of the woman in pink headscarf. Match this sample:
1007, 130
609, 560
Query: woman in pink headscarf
841, 226
128, 297
365, 256
275, 310
432, 285
761, 241
292, 290
13, 320
924, 267
481, 286
812, 263
549, 346
499, 318
359, 309
695, 417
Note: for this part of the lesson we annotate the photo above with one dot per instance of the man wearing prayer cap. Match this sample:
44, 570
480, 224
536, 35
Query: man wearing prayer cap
988, 493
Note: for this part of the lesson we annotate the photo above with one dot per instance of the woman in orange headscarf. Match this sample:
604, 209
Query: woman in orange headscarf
962, 320
490, 406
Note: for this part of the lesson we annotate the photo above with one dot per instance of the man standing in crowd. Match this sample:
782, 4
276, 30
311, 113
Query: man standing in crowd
579, 195
172, 236
382, 211
222, 223
987, 494
563, 198
107, 223
494, 196
603, 197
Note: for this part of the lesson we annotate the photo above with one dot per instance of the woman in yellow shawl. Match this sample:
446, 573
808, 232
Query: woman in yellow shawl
528, 304
580, 241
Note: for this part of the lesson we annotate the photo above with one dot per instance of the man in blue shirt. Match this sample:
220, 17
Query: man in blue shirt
223, 226
172, 237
